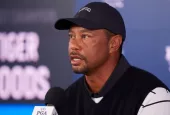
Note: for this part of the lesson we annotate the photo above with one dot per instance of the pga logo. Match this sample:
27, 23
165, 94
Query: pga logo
115, 3
167, 55
42, 112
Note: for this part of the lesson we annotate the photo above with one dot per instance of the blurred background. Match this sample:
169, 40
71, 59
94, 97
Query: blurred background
34, 57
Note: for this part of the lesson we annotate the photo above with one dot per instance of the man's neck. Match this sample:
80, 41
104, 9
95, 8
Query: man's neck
98, 78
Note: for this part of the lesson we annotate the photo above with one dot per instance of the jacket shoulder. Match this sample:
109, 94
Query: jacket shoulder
144, 78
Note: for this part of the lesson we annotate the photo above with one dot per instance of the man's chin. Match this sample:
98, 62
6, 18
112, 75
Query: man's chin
79, 71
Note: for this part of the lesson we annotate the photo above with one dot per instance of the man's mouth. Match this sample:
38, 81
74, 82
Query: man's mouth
75, 60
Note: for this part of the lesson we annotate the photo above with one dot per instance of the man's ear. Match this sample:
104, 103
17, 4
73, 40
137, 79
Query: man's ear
115, 43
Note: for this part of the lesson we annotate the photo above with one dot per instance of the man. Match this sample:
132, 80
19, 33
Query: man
110, 85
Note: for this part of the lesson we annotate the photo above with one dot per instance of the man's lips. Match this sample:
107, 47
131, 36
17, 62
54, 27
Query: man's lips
75, 60
75, 57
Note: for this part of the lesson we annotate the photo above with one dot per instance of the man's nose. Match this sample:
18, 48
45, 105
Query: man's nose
74, 45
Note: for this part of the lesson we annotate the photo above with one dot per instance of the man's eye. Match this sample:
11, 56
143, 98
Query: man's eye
70, 36
84, 36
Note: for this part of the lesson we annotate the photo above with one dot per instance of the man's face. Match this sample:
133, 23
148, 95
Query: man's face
88, 49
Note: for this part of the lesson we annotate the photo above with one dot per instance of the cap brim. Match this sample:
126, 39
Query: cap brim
65, 24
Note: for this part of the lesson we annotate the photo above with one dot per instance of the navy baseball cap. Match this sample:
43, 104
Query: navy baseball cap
95, 15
